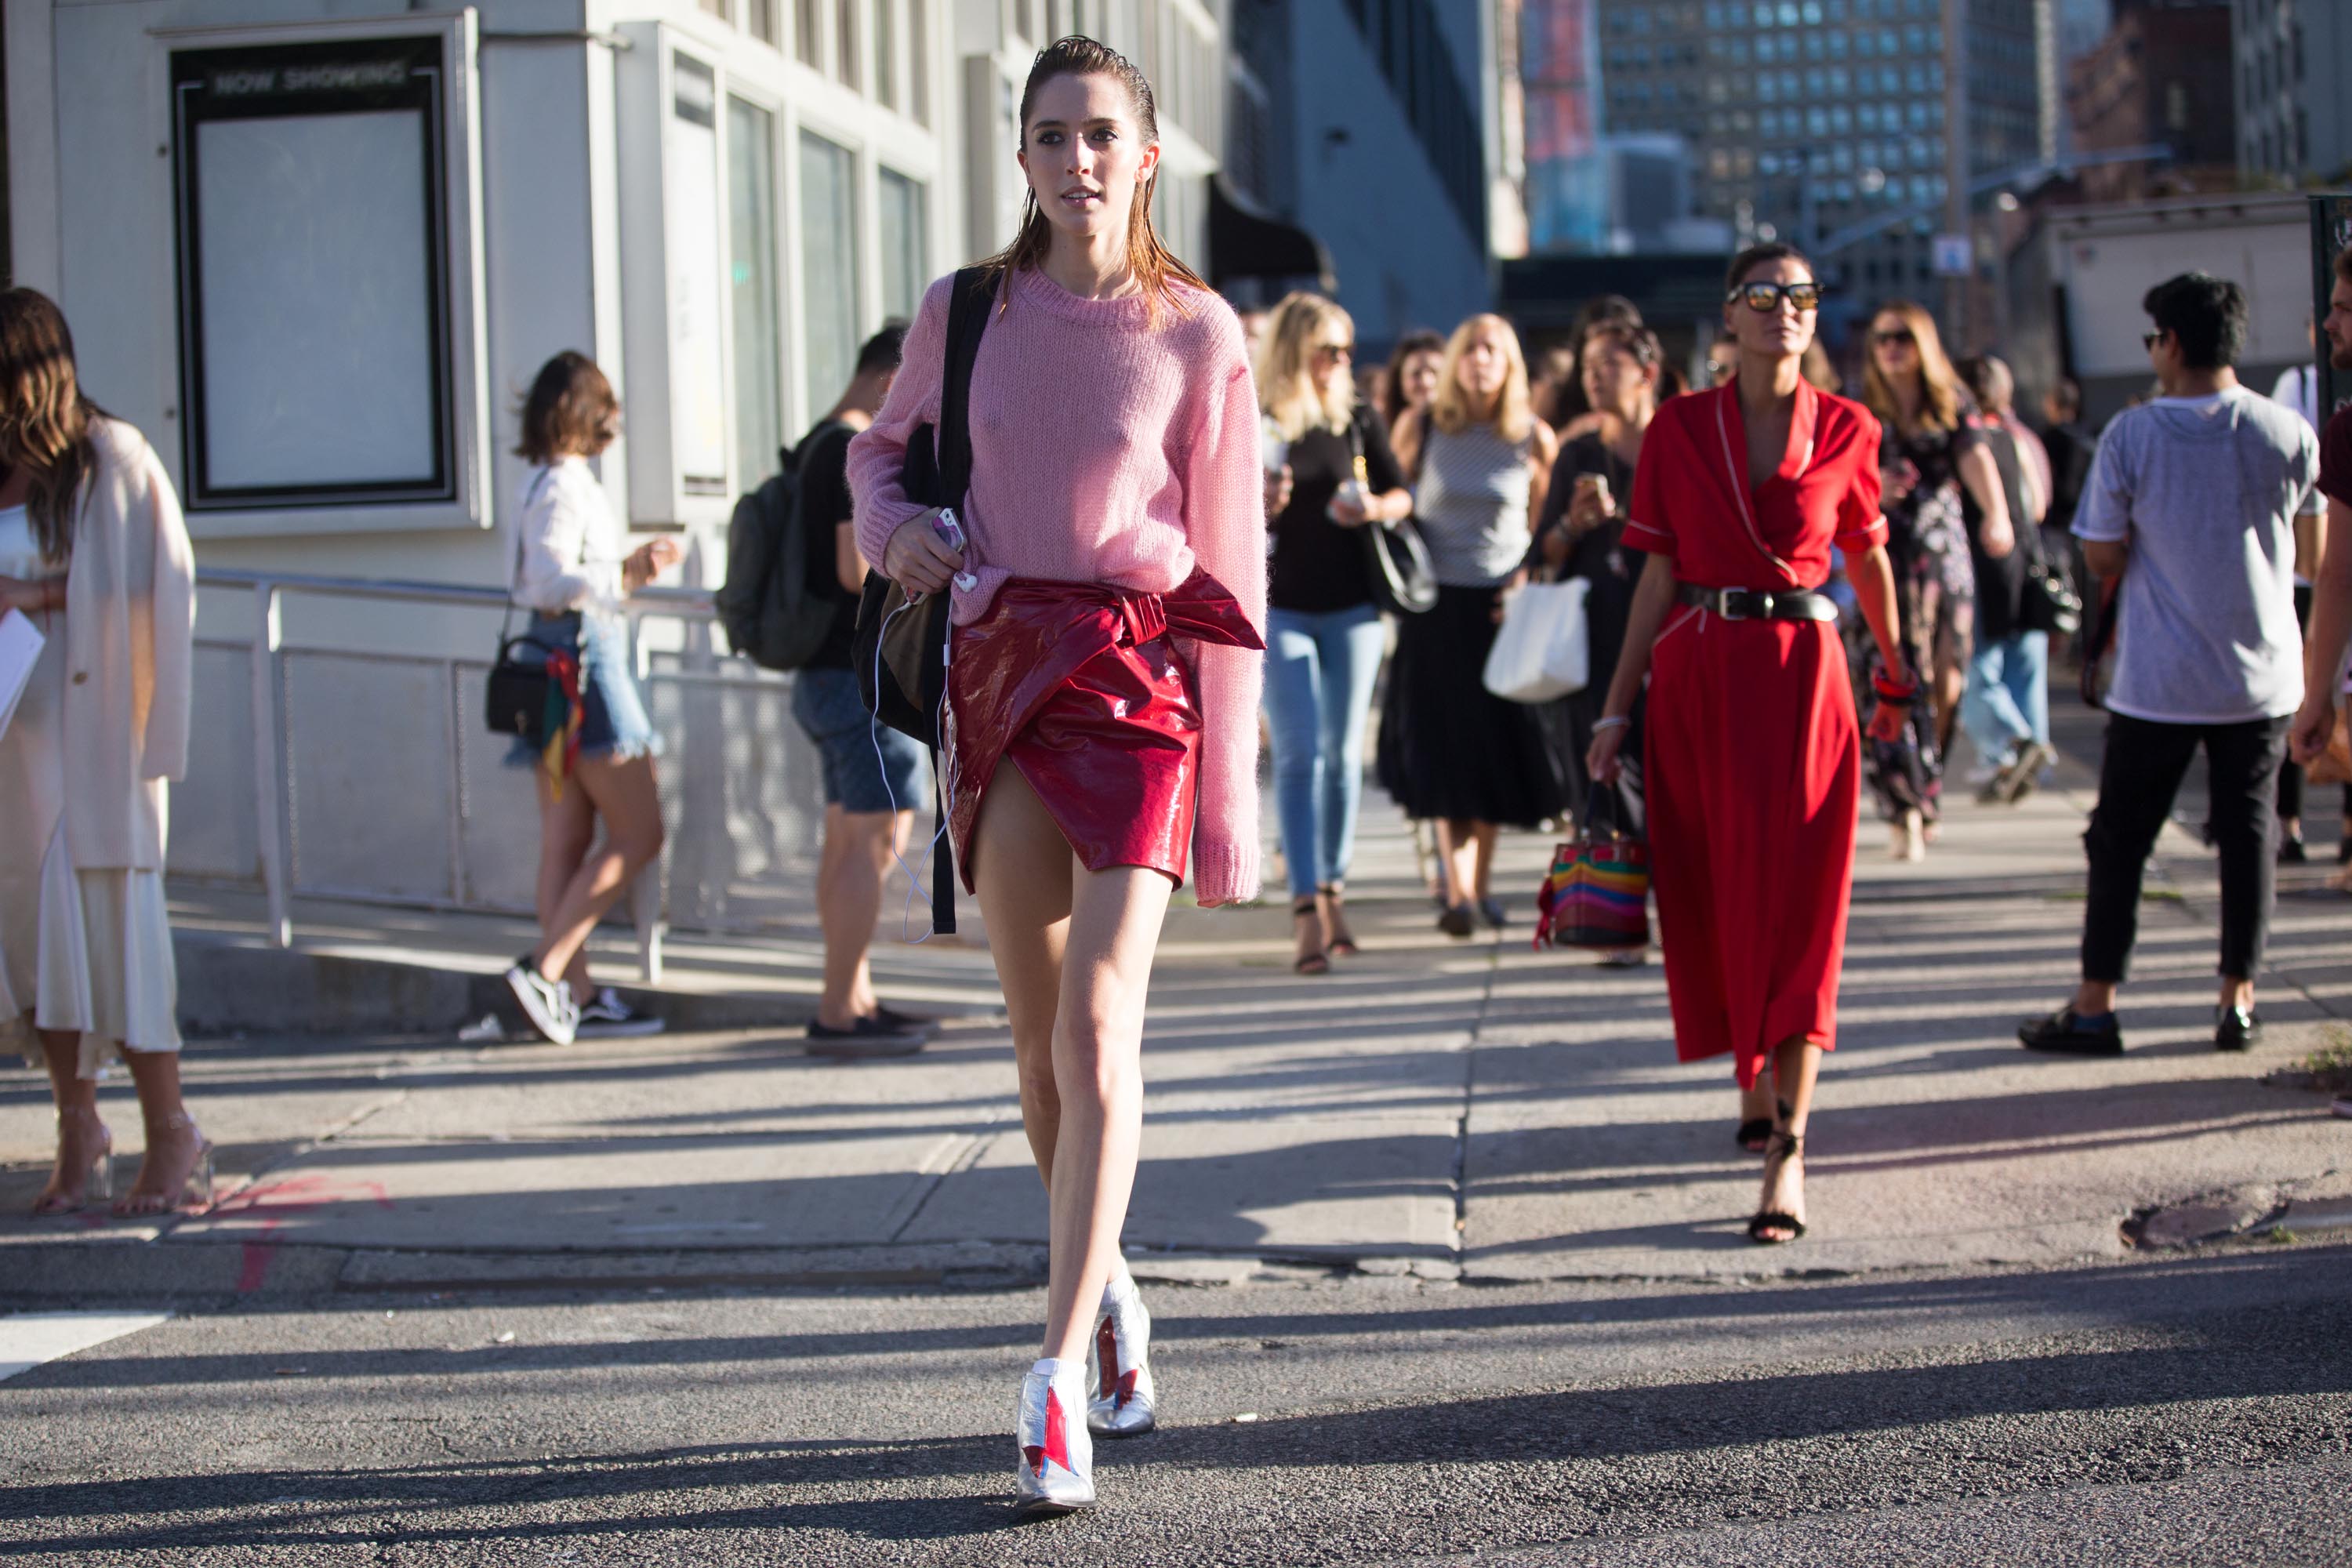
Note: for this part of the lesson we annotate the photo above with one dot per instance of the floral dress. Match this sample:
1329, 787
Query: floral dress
1927, 544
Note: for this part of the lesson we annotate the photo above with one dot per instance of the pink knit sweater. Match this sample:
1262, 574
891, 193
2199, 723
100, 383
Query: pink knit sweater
1105, 449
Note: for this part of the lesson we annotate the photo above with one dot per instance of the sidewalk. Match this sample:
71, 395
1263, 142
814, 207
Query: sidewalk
1450, 1108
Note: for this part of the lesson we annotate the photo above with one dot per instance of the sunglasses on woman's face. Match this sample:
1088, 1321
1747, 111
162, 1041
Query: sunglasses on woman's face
1336, 350
1900, 336
1765, 298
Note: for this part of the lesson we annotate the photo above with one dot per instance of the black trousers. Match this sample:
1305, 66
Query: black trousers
2142, 772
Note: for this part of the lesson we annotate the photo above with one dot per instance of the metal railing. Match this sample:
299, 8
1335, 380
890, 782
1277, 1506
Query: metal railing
372, 757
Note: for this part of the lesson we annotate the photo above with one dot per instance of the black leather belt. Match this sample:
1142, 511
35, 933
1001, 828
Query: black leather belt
1756, 605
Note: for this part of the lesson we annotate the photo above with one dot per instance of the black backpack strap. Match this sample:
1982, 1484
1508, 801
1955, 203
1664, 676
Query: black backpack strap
970, 304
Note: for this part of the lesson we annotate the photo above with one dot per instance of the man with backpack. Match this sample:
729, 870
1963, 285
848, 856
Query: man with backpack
793, 579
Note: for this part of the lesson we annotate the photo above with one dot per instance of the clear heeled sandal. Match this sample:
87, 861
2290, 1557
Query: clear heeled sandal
195, 1189
98, 1182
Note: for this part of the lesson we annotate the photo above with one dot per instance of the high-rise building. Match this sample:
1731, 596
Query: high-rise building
2161, 77
1812, 119
1373, 125
2294, 60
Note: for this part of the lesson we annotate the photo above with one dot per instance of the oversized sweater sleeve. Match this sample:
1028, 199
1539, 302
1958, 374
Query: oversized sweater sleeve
878, 452
1225, 523
164, 749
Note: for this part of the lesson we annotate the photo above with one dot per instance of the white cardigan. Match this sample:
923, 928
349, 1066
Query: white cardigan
131, 613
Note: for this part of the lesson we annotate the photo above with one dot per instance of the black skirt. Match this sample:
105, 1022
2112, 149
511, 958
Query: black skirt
1449, 748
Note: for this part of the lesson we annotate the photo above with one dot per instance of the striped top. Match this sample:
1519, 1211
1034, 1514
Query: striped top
1472, 504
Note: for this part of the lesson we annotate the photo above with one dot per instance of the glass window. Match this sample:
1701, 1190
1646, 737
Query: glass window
752, 290
905, 247
716, 7
844, 41
759, 20
886, 52
918, 58
806, 42
828, 265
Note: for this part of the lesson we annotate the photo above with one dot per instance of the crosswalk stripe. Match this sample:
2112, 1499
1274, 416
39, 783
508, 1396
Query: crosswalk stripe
29, 1339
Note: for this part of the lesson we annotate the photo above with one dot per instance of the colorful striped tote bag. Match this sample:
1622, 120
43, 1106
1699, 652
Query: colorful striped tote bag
1598, 894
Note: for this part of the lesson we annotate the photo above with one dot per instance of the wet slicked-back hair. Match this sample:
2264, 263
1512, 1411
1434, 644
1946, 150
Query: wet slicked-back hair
1155, 267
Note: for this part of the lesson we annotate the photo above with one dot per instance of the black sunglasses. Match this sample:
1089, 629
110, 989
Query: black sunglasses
1765, 298
2150, 340
1902, 335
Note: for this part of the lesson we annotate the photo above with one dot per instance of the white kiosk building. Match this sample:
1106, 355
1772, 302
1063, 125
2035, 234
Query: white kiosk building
316, 250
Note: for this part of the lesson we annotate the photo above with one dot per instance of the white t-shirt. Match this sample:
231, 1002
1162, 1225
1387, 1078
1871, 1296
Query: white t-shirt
2204, 490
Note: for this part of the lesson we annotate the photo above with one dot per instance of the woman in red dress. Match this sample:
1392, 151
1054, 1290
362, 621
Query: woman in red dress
1754, 771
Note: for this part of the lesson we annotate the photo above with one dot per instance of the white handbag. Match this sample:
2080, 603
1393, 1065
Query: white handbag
1542, 650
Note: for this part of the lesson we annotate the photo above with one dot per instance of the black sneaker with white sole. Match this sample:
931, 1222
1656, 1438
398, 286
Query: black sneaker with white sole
548, 1003
605, 1017
866, 1037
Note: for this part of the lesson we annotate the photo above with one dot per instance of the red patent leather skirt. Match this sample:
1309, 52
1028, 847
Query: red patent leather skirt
1080, 687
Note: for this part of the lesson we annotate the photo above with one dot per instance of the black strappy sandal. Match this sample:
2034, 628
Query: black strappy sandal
1343, 946
1319, 962
1755, 1135
1784, 1147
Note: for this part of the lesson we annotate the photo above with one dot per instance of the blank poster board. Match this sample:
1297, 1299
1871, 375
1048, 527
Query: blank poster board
313, 291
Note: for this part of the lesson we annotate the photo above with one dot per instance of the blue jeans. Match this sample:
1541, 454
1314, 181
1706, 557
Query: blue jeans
1319, 667
2008, 700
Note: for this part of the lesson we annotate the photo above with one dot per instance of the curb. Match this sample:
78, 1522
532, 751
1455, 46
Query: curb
231, 984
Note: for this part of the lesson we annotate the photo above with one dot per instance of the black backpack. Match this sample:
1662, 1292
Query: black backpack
774, 615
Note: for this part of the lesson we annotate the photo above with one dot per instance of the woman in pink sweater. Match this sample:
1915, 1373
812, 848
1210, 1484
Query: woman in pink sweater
1103, 676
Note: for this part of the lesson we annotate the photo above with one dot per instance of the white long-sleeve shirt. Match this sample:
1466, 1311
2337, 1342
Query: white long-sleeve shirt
570, 546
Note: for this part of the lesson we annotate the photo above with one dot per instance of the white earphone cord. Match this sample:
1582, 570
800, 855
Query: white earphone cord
946, 779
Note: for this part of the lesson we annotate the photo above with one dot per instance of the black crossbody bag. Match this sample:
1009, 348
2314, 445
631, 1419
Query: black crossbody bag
902, 658
515, 700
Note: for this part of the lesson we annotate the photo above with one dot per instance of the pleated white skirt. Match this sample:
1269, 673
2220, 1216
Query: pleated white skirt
83, 952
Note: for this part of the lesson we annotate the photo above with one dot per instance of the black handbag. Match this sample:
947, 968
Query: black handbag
1403, 580
515, 695
2051, 603
902, 652
516, 701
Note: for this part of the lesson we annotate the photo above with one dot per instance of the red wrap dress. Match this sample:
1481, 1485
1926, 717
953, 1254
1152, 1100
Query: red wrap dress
1754, 767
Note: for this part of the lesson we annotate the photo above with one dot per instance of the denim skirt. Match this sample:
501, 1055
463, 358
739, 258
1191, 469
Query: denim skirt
612, 723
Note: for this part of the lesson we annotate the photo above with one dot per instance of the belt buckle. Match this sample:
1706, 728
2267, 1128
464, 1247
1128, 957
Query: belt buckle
1724, 601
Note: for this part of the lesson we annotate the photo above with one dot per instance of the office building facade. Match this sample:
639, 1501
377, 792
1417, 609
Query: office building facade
2294, 60
1812, 119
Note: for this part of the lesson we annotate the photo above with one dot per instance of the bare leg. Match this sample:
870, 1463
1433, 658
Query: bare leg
858, 849
1115, 919
2094, 997
1755, 1105
1074, 952
1483, 836
81, 1133
567, 826
1022, 868
1796, 1065
623, 793
173, 1142
1457, 859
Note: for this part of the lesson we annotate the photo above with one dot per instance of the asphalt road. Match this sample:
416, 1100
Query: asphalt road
2197, 1410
